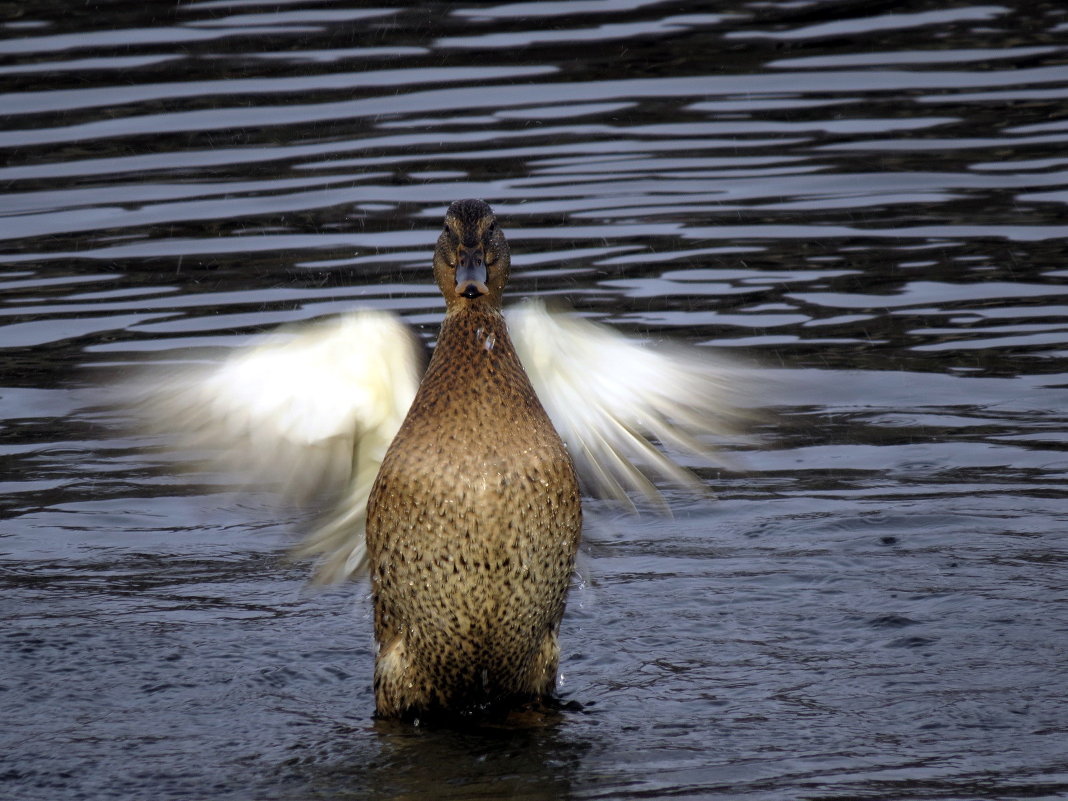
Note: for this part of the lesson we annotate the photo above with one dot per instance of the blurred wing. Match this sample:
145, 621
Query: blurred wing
311, 409
613, 399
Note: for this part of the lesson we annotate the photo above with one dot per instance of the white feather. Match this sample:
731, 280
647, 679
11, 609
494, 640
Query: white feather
612, 398
310, 410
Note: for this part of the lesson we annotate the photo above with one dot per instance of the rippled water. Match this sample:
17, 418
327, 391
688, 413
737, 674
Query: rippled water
867, 198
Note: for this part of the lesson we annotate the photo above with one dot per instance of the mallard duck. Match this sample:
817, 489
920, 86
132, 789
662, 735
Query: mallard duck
456, 489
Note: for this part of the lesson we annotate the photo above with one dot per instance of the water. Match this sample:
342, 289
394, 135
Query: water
868, 200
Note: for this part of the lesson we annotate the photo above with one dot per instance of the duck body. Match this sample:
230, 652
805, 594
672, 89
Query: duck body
453, 485
472, 527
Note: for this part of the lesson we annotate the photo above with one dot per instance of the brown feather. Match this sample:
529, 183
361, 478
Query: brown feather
474, 519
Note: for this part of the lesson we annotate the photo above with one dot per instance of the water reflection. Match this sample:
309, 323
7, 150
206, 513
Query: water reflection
407, 763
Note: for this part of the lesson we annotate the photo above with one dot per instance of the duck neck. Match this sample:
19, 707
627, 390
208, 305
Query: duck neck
475, 364
476, 385
475, 336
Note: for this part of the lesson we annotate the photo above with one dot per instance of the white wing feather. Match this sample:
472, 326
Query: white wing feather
612, 398
311, 409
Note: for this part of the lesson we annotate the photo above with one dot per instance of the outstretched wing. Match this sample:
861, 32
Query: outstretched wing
618, 403
310, 409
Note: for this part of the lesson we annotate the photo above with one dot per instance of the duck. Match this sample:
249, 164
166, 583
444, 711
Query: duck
457, 486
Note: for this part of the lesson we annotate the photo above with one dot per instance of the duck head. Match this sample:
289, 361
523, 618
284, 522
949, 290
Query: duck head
471, 261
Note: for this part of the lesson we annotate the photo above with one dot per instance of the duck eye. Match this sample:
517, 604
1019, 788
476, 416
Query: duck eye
491, 227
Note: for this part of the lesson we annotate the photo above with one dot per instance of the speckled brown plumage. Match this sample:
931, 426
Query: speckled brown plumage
474, 519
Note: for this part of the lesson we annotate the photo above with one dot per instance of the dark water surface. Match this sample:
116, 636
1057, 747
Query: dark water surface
869, 198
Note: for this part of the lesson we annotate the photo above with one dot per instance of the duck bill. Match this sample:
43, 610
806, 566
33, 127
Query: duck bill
471, 275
